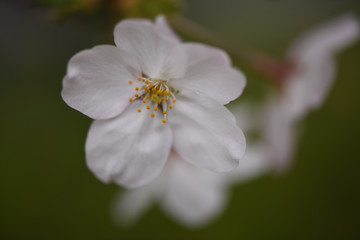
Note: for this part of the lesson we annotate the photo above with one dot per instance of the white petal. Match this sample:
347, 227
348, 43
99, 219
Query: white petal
158, 56
209, 72
205, 133
280, 134
255, 162
130, 149
308, 86
129, 205
194, 196
96, 83
327, 38
165, 30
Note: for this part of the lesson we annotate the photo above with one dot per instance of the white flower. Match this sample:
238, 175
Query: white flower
306, 85
131, 89
312, 57
192, 196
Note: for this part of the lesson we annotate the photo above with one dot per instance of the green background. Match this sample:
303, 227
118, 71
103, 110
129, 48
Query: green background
47, 192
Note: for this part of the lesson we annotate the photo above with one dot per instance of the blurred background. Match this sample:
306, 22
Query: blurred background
47, 192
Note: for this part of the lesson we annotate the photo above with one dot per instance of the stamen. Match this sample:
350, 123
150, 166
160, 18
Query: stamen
164, 121
139, 110
136, 95
136, 89
130, 99
155, 109
139, 78
170, 106
152, 115
147, 107
130, 82
164, 112
144, 101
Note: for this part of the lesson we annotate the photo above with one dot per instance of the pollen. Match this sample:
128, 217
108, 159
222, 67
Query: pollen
157, 94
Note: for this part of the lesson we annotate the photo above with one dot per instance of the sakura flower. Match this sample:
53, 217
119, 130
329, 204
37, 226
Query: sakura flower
150, 94
312, 56
192, 196
306, 84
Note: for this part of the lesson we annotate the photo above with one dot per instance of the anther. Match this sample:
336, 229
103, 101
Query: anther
152, 115
174, 100
139, 78
164, 121
155, 108
136, 95
158, 102
147, 107
130, 82
130, 99
136, 89
139, 110
147, 97
170, 106
147, 81
144, 101
164, 112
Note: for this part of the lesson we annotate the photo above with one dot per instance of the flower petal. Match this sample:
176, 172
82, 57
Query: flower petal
194, 196
158, 56
96, 83
308, 86
205, 133
130, 150
209, 72
327, 38
280, 134
165, 30
129, 205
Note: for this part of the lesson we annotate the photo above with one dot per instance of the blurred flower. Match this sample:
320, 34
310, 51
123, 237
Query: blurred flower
150, 94
192, 196
305, 84
313, 72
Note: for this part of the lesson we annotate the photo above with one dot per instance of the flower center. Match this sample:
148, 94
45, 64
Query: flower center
156, 94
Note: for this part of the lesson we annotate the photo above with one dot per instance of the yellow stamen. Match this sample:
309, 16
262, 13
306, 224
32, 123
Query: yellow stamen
139, 110
130, 99
165, 99
147, 97
136, 89
154, 90
130, 82
152, 115
159, 92
144, 101
158, 102
147, 81
155, 108
147, 107
139, 78
164, 121
136, 95
174, 100
170, 106
164, 112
